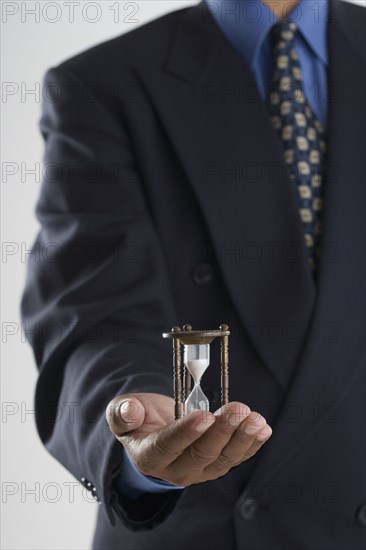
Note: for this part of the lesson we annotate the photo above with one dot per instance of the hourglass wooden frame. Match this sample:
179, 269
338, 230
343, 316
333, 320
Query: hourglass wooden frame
188, 336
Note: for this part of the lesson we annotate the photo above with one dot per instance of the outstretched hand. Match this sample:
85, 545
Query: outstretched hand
198, 447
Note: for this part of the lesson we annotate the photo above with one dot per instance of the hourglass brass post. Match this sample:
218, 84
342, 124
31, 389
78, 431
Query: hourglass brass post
177, 373
187, 337
224, 365
187, 375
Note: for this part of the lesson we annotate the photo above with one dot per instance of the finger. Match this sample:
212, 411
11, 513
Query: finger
259, 441
160, 448
208, 447
240, 445
124, 414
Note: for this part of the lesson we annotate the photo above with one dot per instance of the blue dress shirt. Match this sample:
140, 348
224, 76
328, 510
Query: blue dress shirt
247, 25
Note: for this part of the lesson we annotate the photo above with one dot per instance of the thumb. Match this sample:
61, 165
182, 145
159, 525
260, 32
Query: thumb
124, 414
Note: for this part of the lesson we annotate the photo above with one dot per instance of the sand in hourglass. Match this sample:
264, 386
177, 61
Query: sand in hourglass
196, 399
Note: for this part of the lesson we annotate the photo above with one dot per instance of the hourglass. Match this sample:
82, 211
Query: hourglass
196, 359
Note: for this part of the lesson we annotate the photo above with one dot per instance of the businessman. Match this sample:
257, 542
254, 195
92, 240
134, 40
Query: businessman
209, 167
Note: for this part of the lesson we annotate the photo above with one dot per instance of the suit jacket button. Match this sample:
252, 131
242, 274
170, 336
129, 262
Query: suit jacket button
248, 508
361, 515
203, 274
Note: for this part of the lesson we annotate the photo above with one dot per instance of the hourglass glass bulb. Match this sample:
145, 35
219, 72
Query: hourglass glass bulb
196, 360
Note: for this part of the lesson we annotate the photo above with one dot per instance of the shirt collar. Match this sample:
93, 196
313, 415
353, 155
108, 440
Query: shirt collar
247, 23
312, 21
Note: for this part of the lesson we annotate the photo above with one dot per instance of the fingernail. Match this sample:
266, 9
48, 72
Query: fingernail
127, 410
264, 433
235, 419
249, 429
233, 416
254, 423
205, 423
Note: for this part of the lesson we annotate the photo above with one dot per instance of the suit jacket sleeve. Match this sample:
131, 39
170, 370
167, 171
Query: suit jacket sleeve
97, 294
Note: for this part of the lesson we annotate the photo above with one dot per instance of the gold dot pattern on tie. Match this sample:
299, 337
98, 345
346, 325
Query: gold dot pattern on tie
302, 135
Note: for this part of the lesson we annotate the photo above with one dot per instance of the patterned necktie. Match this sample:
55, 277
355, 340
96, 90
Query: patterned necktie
302, 135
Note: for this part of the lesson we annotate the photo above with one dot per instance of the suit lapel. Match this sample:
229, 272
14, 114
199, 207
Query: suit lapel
208, 103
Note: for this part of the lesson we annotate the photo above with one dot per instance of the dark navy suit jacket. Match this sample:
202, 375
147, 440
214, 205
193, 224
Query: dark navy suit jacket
165, 201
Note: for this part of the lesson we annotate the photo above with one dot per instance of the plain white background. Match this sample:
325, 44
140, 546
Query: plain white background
43, 507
